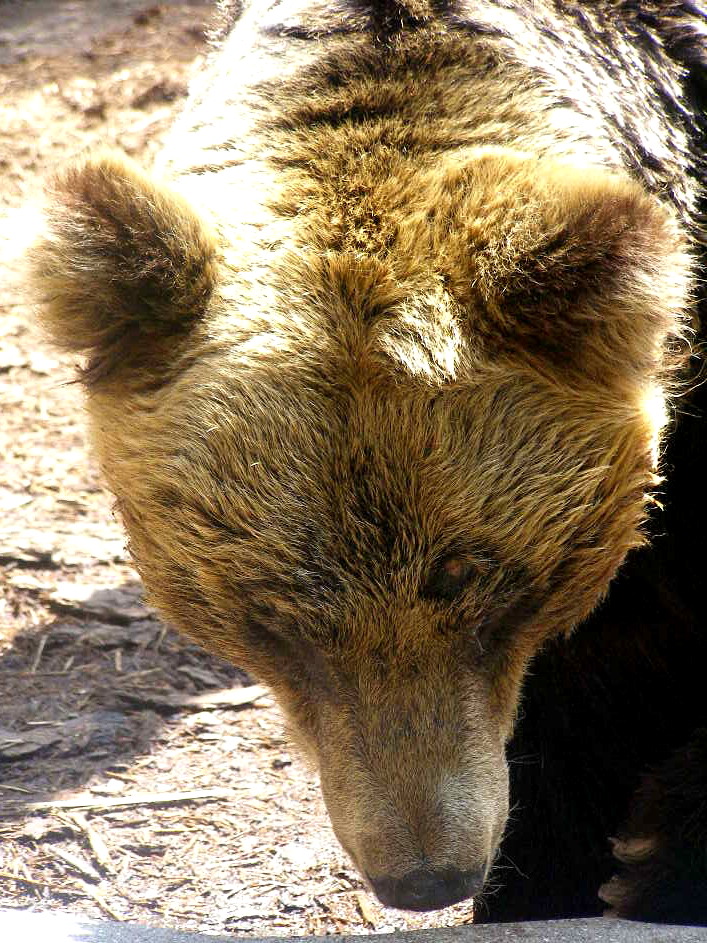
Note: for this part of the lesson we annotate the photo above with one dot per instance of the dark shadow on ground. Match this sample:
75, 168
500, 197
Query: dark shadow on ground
86, 693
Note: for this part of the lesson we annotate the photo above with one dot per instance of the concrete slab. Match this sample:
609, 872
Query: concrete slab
28, 927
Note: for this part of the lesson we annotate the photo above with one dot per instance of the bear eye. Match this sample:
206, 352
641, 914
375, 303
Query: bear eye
448, 579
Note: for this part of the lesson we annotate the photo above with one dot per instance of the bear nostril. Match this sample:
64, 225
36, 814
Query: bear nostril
427, 890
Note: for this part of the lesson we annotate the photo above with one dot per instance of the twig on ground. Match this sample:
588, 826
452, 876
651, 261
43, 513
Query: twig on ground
114, 802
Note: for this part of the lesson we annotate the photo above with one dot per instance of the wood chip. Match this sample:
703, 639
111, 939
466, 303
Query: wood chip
7, 876
15, 745
78, 863
100, 900
114, 802
213, 700
38, 654
120, 605
104, 635
98, 847
232, 697
365, 908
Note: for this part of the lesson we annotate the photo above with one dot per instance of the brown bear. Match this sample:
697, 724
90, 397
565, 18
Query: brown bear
387, 367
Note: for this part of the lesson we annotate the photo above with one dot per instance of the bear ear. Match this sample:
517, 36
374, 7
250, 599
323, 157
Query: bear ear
579, 268
123, 263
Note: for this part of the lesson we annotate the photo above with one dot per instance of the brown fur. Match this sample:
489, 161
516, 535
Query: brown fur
388, 420
145, 269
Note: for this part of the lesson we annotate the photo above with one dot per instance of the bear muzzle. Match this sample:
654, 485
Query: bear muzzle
426, 889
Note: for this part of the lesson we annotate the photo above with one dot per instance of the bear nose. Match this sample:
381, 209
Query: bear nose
427, 890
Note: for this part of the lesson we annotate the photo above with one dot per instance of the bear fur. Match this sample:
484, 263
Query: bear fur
390, 368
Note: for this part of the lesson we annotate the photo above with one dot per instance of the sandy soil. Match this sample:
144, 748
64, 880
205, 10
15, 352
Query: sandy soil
140, 778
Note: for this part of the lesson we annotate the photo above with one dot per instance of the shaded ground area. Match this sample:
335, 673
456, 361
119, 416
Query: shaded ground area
139, 777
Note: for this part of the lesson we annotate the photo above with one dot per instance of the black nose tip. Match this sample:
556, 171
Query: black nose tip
427, 890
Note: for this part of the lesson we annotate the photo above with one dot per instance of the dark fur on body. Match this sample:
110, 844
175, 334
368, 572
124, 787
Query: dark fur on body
376, 410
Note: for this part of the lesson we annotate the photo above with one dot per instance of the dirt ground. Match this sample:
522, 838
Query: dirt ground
140, 778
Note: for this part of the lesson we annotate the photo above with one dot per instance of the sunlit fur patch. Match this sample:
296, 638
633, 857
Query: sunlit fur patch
655, 411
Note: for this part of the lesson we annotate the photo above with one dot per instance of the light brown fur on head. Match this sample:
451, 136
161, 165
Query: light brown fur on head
126, 262
378, 459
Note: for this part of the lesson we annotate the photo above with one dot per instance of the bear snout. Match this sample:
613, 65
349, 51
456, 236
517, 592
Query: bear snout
425, 889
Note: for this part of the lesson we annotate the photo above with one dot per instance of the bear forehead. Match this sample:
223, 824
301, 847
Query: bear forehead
342, 321
387, 473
